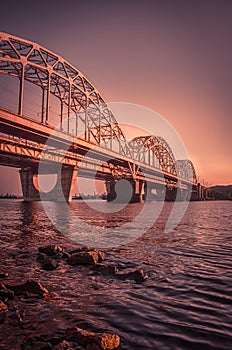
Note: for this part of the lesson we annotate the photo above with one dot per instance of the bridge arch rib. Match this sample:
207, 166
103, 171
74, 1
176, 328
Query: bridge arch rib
31, 62
154, 151
185, 170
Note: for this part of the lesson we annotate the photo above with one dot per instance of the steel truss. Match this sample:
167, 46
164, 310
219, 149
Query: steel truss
185, 170
31, 62
154, 151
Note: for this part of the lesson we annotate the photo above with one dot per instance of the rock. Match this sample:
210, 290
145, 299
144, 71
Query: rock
80, 249
30, 288
51, 250
41, 257
65, 255
3, 307
5, 294
106, 270
101, 255
49, 264
4, 274
92, 340
64, 345
83, 258
36, 345
138, 276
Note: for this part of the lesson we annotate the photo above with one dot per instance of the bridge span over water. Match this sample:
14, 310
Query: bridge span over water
84, 138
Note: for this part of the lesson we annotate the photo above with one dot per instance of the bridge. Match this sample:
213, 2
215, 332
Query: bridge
75, 132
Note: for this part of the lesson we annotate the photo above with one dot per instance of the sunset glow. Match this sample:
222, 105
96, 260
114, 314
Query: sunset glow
171, 57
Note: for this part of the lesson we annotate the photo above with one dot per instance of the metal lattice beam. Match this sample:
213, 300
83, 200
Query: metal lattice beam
154, 151
185, 170
31, 62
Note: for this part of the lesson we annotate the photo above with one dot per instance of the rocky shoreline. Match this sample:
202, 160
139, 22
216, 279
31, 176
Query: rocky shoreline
49, 257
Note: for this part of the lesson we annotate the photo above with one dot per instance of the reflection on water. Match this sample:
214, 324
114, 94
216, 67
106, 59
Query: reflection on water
184, 304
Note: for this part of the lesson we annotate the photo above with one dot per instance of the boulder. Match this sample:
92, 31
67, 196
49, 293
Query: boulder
3, 307
51, 250
3, 274
83, 258
30, 288
138, 276
31, 344
65, 255
49, 264
92, 340
101, 255
5, 293
64, 345
105, 270
41, 257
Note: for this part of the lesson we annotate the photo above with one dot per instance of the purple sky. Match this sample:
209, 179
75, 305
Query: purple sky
171, 56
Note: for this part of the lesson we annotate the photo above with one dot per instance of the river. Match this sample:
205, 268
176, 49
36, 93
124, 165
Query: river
186, 302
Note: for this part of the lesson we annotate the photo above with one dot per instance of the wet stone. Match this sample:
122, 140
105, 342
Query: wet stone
66, 255
83, 258
64, 345
101, 255
49, 264
51, 250
4, 274
105, 270
30, 288
138, 276
3, 307
36, 345
92, 340
5, 293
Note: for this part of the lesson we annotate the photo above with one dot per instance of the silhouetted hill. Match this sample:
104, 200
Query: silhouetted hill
221, 192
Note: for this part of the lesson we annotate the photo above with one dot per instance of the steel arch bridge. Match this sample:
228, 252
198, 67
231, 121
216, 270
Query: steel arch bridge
31, 62
155, 151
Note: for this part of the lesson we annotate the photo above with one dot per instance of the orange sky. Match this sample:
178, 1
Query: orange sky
173, 57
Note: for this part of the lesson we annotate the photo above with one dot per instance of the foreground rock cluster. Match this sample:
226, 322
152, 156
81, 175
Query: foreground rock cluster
75, 338
49, 257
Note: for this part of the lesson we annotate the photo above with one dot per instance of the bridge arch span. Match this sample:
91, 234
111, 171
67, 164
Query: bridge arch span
31, 62
154, 151
185, 170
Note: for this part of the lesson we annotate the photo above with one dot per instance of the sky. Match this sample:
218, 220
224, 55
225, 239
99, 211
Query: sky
172, 56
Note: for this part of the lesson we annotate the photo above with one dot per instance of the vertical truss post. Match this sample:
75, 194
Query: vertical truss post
69, 103
21, 92
99, 132
42, 111
85, 125
48, 99
76, 124
111, 134
61, 114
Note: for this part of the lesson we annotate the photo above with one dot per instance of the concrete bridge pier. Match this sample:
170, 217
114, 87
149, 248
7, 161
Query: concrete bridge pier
29, 183
125, 190
171, 193
62, 191
183, 194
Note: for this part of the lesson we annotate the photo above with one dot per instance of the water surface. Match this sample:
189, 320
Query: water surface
184, 304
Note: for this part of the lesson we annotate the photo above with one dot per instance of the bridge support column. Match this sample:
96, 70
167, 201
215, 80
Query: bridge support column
170, 195
65, 185
125, 191
138, 191
63, 190
28, 180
